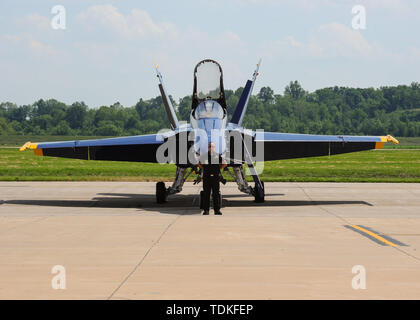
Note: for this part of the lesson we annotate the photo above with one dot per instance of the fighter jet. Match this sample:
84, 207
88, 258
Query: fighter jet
187, 144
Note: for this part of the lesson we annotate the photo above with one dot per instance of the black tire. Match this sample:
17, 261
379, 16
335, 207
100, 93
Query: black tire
160, 192
258, 198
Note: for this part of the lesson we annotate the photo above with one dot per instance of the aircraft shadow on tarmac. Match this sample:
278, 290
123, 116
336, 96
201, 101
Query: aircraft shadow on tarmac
189, 204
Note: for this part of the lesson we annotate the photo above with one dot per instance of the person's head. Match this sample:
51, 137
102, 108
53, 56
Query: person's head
212, 146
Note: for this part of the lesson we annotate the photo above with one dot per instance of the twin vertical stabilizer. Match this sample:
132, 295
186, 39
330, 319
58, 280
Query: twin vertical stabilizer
240, 110
170, 111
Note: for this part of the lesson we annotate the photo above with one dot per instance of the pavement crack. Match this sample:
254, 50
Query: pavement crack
138, 265
407, 254
321, 207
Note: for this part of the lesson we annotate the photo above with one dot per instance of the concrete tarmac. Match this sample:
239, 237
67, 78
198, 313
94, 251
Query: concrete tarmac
115, 242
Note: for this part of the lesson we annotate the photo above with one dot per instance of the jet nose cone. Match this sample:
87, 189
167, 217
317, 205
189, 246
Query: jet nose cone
210, 142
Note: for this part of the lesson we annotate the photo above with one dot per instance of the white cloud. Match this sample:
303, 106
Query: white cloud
400, 7
26, 41
226, 41
337, 40
137, 23
287, 47
327, 41
11, 39
41, 48
396, 6
33, 34
35, 20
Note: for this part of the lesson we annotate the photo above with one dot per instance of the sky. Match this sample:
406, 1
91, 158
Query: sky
107, 51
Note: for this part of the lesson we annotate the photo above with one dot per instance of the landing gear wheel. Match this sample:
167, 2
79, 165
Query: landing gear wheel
259, 196
160, 192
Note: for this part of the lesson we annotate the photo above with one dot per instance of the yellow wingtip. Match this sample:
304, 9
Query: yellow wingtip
389, 138
29, 145
25, 146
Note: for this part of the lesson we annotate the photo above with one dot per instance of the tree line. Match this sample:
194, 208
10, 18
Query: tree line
337, 110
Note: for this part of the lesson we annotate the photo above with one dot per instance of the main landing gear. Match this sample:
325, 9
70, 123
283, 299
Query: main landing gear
160, 192
181, 175
258, 191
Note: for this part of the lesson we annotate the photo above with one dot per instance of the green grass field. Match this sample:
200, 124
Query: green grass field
369, 166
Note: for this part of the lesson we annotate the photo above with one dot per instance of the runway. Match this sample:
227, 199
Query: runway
115, 242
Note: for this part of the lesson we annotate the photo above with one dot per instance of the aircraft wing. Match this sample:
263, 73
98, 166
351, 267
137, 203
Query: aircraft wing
136, 148
279, 146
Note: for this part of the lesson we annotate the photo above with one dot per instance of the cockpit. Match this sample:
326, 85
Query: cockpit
210, 120
208, 83
209, 115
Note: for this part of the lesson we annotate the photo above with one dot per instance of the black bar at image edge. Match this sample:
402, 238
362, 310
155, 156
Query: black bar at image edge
208, 309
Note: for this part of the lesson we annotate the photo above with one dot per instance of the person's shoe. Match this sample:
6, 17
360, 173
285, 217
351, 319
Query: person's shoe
218, 213
205, 213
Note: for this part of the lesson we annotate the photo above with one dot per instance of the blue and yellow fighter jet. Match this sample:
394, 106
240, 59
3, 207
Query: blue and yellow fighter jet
186, 144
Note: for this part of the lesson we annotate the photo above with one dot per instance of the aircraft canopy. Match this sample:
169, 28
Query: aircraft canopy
208, 80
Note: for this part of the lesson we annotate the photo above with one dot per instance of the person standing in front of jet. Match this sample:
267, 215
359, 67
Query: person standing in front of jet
211, 181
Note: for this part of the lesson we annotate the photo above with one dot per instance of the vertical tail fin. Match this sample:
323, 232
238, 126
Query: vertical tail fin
170, 111
240, 110
238, 114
